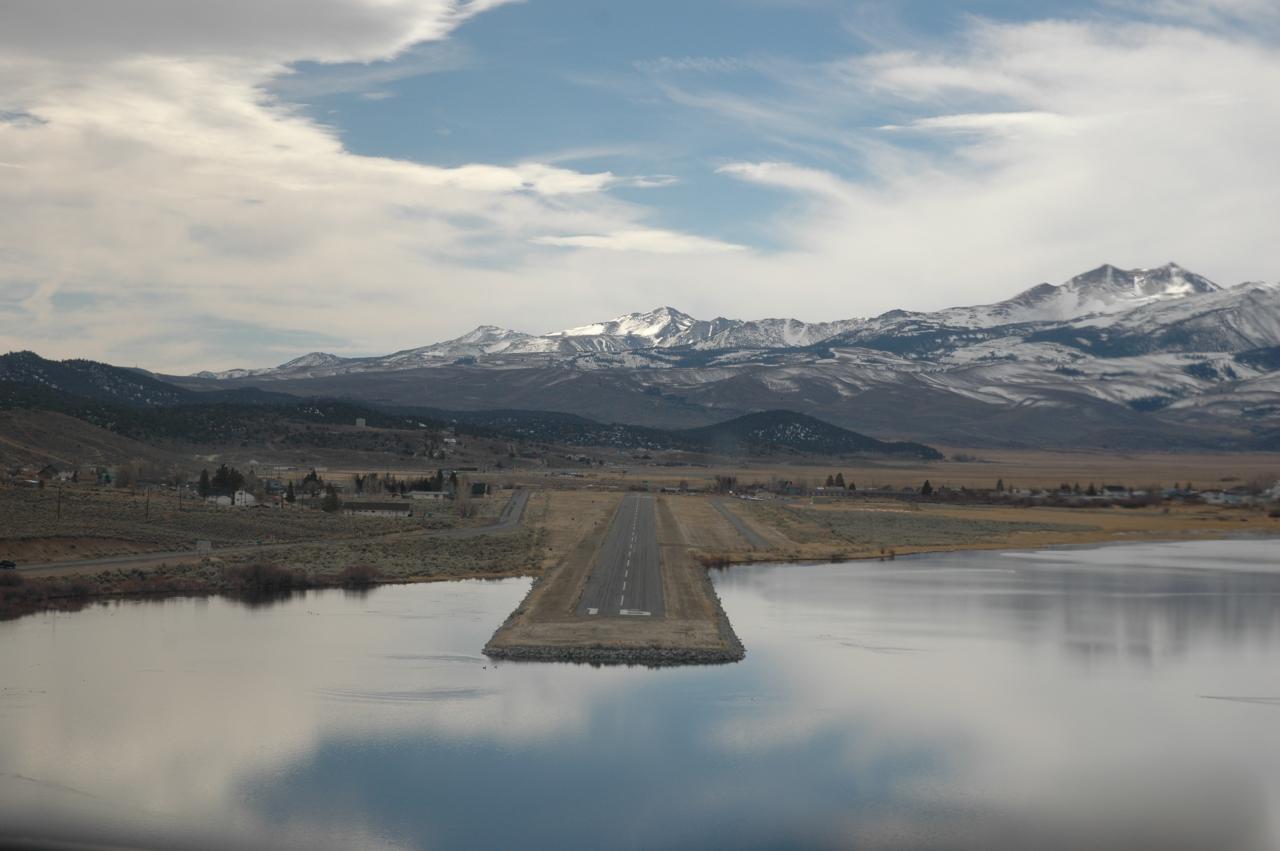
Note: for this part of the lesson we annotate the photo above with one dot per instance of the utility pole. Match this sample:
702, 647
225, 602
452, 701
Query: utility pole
147, 491
59, 501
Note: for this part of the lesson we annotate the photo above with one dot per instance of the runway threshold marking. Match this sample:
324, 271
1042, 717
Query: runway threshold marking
633, 613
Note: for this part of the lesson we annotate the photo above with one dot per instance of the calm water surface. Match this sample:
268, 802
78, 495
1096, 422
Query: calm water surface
1125, 697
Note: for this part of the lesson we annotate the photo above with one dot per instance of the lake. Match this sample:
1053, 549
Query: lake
1122, 697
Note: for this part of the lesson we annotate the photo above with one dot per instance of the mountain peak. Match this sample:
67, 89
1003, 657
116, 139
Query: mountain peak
657, 324
657, 314
1169, 279
311, 359
1108, 289
486, 334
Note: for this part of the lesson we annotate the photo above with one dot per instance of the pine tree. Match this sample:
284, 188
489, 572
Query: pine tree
926, 489
203, 487
289, 495
330, 503
840, 480
999, 485
831, 481
227, 480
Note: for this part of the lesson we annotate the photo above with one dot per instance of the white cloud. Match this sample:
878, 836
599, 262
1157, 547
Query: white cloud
169, 209
642, 240
987, 122
1074, 144
367, 77
783, 175
275, 32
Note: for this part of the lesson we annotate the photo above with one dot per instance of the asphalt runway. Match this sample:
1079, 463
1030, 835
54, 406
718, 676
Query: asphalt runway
626, 580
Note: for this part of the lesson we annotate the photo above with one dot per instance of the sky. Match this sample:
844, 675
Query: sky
188, 185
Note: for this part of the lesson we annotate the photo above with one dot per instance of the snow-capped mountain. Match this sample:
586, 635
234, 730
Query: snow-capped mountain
484, 340
1105, 290
658, 327
1110, 345
1126, 300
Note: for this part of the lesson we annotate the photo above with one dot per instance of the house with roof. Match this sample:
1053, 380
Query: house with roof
377, 509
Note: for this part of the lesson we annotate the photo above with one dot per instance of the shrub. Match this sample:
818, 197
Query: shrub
75, 587
263, 577
358, 576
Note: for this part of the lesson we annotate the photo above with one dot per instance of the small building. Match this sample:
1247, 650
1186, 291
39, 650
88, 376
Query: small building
378, 509
479, 489
432, 495
220, 501
244, 499
360, 422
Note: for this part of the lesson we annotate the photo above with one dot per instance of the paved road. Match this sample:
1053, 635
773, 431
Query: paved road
509, 519
753, 537
627, 579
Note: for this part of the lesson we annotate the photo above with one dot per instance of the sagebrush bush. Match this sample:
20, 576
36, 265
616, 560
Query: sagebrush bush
263, 576
358, 576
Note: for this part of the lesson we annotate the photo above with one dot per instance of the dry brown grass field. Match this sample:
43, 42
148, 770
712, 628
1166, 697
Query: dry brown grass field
1017, 468
802, 530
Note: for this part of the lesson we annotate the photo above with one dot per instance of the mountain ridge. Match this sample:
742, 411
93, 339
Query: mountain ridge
1093, 298
1145, 357
251, 416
